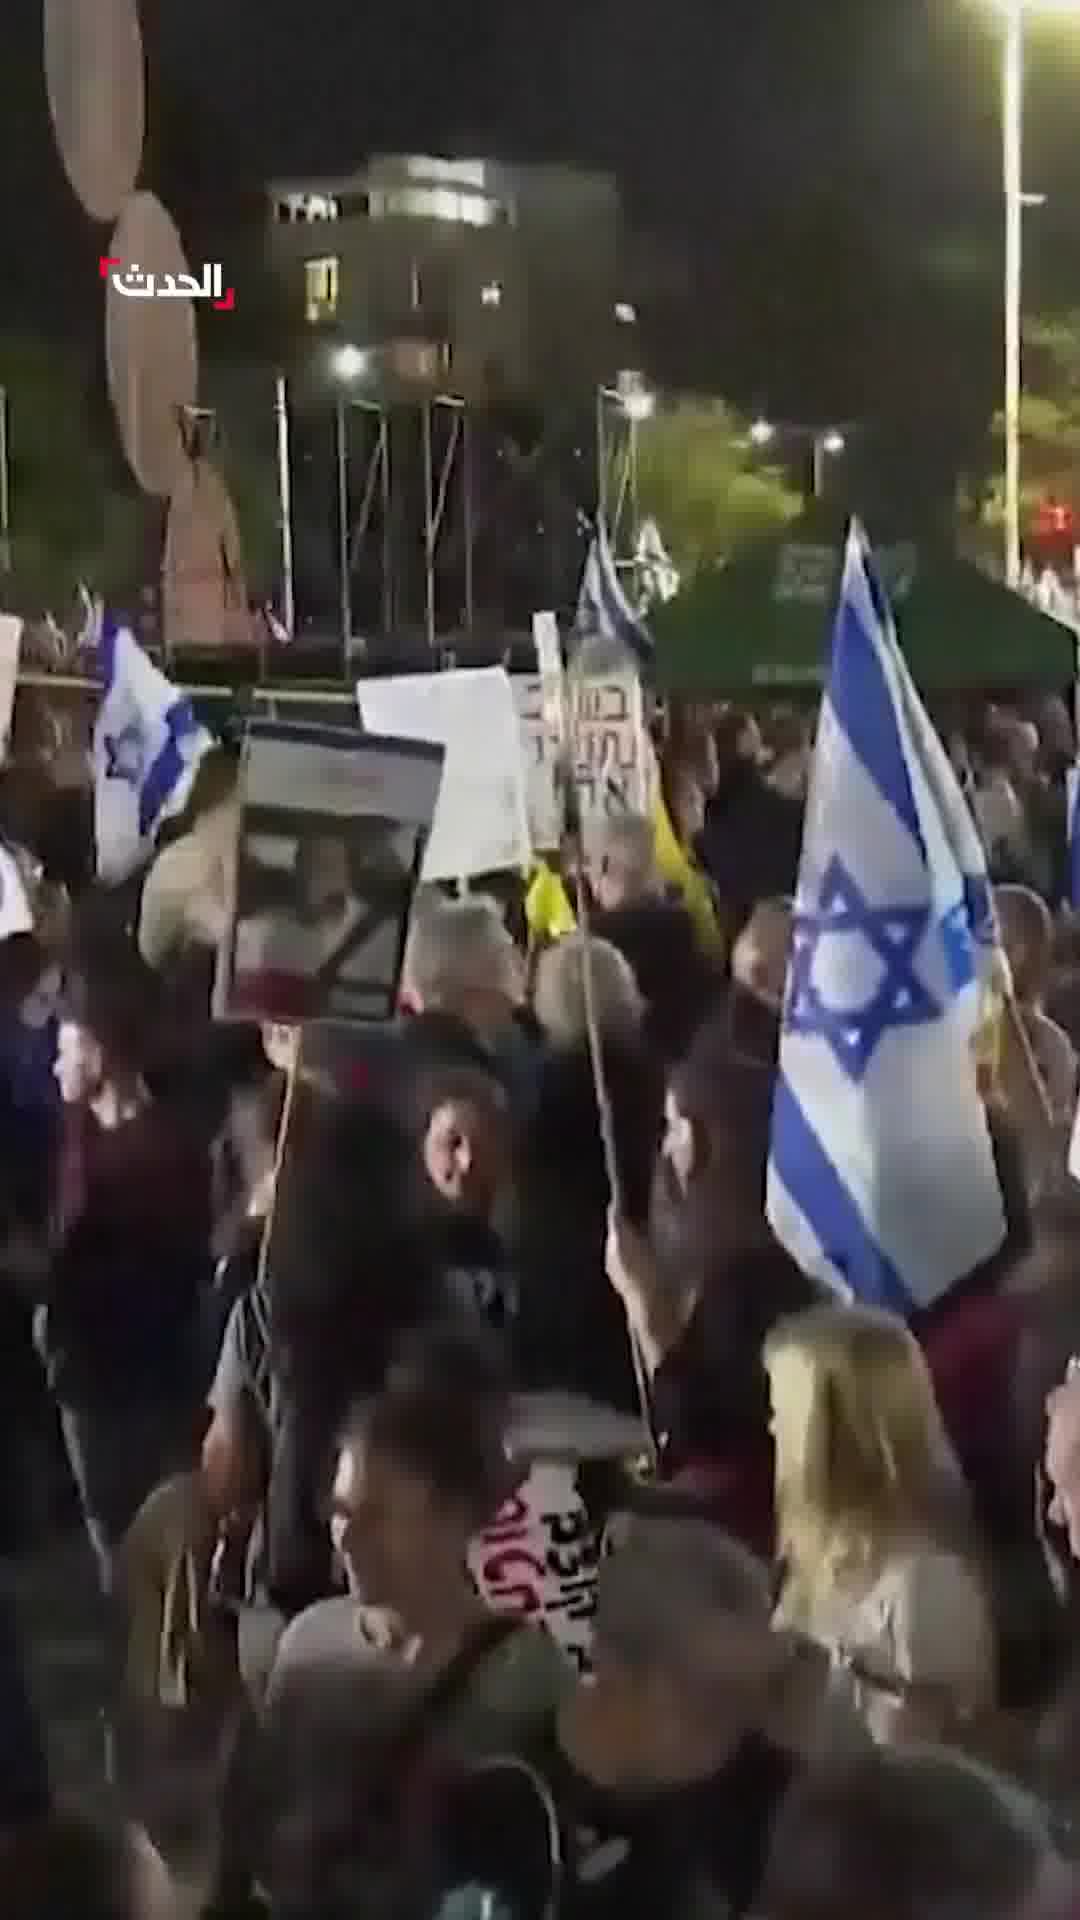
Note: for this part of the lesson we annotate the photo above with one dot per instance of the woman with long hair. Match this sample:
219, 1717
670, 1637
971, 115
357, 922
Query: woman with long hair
873, 1522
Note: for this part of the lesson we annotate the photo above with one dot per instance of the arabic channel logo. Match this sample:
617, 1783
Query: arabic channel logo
134, 284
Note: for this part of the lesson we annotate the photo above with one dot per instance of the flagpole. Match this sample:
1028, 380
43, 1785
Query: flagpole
1013, 129
343, 531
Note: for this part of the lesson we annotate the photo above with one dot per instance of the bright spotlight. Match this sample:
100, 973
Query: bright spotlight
762, 432
833, 442
350, 363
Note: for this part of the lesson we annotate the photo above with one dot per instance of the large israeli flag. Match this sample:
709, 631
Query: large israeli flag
147, 748
881, 1177
603, 608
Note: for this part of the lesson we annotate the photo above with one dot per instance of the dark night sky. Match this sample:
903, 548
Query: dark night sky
748, 129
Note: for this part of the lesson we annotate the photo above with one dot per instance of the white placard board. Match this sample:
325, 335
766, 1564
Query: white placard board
331, 827
10, 640
612, 757
546, 642
540, 1558
481, 821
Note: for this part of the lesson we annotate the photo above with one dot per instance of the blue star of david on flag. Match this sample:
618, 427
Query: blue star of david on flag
882, 1181
893, 935
148, 744
125, 755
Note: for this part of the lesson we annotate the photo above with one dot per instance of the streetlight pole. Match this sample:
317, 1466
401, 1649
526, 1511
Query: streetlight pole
343, 529
1013, 123
5, 493
288, 600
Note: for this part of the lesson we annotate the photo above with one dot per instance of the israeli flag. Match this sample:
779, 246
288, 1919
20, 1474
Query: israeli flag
146, 751
603, 609
1072, 829
881, 1178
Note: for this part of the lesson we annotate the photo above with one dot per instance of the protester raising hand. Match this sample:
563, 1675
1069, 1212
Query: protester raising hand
657, 1314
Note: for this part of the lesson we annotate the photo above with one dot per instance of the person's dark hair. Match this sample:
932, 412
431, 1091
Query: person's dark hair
916, 1835
450, 1358
65, 1866
473, 1086
454, 1443
728, 1100
348, 1273
119, 1001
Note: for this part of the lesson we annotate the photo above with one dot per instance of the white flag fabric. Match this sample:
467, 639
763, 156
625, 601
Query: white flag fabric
16, 914
10, 643
147, 748
881, 1178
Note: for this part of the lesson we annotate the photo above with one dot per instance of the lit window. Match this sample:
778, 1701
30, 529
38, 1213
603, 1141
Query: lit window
320, 289
433, 203
452, 173
491, 295
308, 207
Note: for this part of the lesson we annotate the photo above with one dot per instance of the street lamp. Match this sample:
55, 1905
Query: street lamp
826, 443
1015, 202
348, 363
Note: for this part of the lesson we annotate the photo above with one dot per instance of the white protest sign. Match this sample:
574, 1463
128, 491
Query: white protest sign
612, 758
15, 912
540, 1557
329, 840
546, 642
10, 639
481, 821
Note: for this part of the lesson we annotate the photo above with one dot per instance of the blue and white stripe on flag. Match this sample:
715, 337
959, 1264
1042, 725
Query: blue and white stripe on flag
881, 1176
1072, 832
603, 608
146, 751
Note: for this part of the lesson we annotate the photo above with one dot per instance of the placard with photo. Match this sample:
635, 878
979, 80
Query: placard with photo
332, 834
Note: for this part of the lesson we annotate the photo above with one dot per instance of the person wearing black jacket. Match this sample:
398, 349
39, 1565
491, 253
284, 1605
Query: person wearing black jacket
752, 837
655, 934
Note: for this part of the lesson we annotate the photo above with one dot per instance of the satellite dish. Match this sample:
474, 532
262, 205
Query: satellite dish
151, 347
95, 80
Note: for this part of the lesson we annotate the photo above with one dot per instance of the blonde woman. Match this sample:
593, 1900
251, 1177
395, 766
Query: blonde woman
873, 1521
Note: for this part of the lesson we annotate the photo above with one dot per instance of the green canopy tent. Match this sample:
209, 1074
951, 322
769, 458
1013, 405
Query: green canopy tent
765, 620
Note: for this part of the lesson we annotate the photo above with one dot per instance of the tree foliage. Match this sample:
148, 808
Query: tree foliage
1049, 417
73, 514
705, 485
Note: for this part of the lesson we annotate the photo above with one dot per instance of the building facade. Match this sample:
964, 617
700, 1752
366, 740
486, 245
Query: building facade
487, 279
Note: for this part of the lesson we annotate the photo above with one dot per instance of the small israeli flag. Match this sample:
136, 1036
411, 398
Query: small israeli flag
881, 1178
146, 751
1072, 830
603, 609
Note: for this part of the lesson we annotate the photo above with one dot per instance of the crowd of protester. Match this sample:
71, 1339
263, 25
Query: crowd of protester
832, 1665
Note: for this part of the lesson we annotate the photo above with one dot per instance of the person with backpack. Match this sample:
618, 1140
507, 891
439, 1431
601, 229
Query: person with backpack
376, 1699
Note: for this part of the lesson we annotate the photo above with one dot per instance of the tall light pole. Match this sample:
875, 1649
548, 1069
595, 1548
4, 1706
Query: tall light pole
1015, 202
5, 495
1013, 145
349, 364
281, 415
